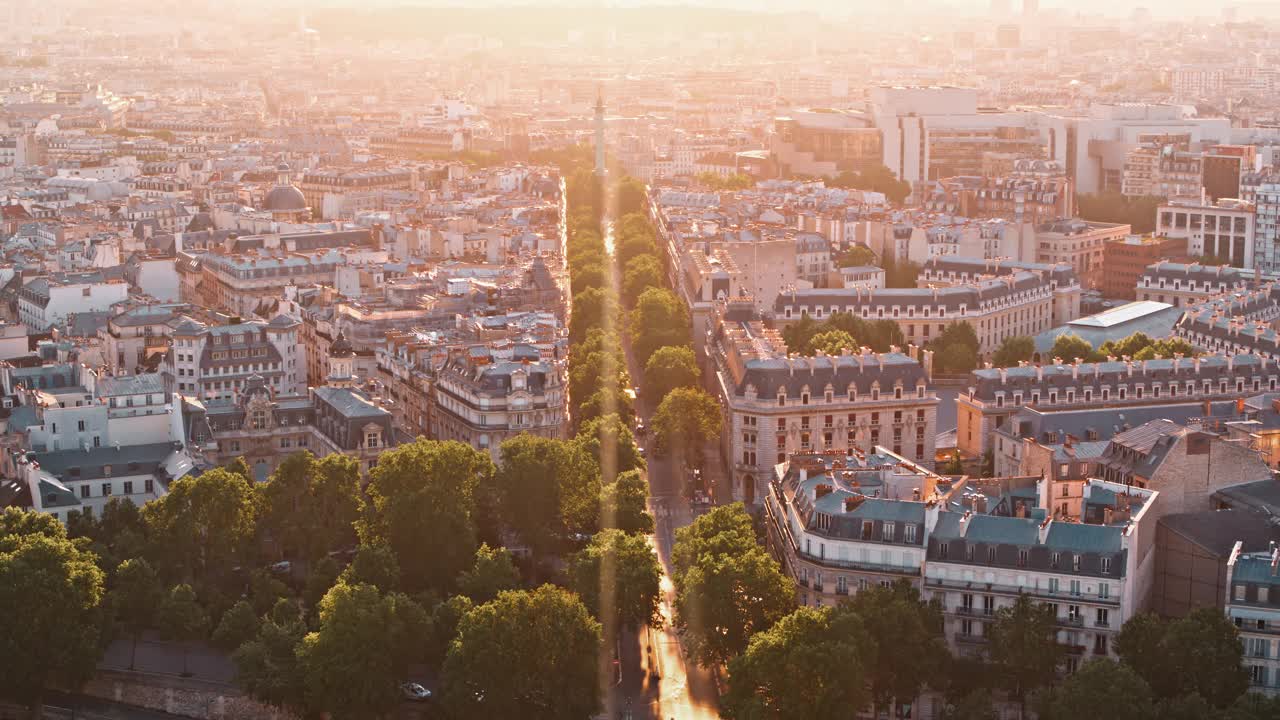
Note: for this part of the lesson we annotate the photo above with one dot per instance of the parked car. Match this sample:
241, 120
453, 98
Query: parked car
414, 691
281, 568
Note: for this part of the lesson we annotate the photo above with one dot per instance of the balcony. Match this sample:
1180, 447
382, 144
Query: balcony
1077, 621
1014, 590
962, 637
913, 571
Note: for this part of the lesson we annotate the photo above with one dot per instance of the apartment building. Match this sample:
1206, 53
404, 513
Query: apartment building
999, 546
1187, 285
1237, 324
995, 394
47, 301
132, 338
335, 192
840, 522
1163, 170
1036, 192
776, 404
1253, 604
76, 440
1223, 230
216, 362
482, 401
1017, 299
1080, 244
241, 283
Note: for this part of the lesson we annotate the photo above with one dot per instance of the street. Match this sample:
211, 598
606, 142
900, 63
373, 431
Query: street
656, 682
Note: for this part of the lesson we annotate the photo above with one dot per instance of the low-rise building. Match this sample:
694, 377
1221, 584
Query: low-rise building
1126, 259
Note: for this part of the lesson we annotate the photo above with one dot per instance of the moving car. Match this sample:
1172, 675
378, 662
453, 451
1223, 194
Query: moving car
414, 691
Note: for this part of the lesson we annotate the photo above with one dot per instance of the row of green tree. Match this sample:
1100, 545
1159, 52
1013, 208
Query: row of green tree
648, 311
839, 332
330, 634
716, 181
1113, 207
1069, 346
878, 178
886, 645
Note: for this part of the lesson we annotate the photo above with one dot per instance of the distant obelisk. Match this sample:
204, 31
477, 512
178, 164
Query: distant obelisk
599, 132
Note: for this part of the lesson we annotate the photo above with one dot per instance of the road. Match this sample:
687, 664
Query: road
657, 683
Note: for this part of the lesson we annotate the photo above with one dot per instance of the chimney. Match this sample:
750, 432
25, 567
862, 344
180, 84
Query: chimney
980, 505
1004, 375
1195, 364
852, 502
821, 491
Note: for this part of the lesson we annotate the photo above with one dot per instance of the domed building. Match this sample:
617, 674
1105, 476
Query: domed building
286, 202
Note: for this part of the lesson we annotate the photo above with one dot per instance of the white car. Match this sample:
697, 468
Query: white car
414, 691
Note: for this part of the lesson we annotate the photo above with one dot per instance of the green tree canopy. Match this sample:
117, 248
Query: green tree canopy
857, 255
833, 342
635, 244
1070, 346
1101, 689
51, 590
267, 667
374, 565
727, 586
135, 596
202, 528
1024, 646
492, 573
825, 652
352, 666
630, 196
617, 576
1198, 653
592, 308
687, 419
908, 649
669, 368
1113, 207
182, 619
642, 272
1013, 350
716, 181
423, 508
311, 505
878, 178
594, 275
545, 488
659, 319
527, 654
624, 504
239, 625
611, 443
